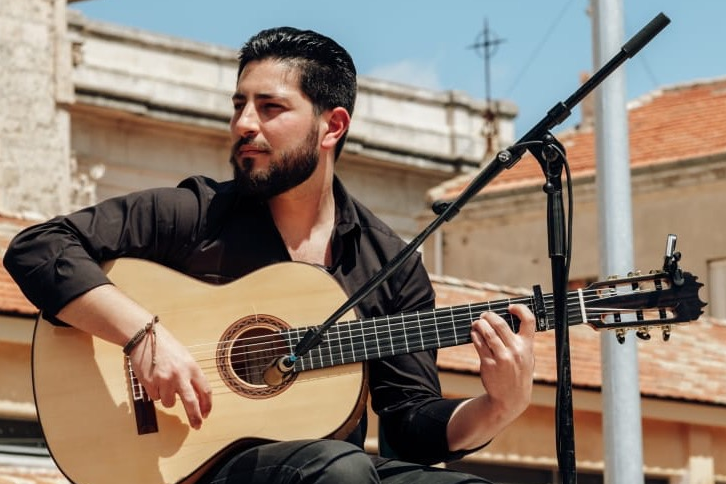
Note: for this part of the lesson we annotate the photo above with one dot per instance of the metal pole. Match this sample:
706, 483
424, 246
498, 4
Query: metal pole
622, 430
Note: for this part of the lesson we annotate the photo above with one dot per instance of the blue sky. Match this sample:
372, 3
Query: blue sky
546, 44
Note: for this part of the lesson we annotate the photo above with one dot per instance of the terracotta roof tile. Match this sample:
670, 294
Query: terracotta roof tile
684, 121
12, 301
23, 475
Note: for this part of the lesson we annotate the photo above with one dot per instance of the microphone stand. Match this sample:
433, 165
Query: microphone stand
549, 156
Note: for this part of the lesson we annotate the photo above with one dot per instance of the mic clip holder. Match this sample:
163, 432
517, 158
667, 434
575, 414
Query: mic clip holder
280, 369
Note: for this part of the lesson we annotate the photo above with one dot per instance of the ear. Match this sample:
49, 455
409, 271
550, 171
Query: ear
337, 122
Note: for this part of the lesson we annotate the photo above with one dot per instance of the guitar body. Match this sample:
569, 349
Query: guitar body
85, 395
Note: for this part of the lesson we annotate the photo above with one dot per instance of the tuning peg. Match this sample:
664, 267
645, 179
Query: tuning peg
666, 333
643, 334
634, 274
620, 335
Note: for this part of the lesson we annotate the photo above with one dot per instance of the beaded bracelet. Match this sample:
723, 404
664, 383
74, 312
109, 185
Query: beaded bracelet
149, 329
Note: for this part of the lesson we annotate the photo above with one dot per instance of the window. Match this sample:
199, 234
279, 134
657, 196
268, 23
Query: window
24, 433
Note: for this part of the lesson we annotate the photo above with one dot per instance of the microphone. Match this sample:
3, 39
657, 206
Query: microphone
279, 370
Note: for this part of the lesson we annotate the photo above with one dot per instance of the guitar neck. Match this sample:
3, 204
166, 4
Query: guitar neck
380, 337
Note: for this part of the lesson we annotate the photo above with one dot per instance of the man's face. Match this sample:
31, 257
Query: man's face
274, 130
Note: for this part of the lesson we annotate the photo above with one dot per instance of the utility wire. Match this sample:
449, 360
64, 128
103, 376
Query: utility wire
540, 46
642, 59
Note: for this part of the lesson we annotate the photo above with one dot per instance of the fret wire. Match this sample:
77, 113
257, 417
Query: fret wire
352, 343
390, 334
344, 348
405, 336
317, 357
372, 331
349, 345
375, 327
436, 331
453, 323
330, 349
396, 330
334, 335
420, 329
363, 339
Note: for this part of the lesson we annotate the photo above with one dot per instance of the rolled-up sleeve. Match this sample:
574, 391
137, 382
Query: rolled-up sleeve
56, 261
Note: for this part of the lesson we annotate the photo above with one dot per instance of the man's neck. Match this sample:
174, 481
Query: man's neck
305, 218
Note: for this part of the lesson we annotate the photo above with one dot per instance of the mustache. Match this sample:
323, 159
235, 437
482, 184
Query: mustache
250, 143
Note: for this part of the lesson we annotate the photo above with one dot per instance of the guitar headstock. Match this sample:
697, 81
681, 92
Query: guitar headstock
642, 302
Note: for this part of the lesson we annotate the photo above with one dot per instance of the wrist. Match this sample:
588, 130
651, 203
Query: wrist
148, 330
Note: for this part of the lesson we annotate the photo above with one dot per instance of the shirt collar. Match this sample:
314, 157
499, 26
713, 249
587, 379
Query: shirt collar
347, 223
346, 215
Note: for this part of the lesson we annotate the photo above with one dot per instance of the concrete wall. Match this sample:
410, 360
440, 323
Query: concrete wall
35, 82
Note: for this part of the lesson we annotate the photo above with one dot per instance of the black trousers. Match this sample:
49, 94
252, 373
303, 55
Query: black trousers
325, 462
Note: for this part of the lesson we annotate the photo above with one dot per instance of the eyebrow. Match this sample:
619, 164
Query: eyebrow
239, 96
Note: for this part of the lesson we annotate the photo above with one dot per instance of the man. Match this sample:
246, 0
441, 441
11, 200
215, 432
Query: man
292, 105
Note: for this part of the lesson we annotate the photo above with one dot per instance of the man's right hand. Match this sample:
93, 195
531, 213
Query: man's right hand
109, 314
166, 369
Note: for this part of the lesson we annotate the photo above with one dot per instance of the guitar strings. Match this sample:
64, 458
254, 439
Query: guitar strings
219, 386
384, 326
424, 319
499, 307
452, 337
427, 323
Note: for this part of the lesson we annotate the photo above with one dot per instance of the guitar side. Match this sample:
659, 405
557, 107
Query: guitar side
83, 391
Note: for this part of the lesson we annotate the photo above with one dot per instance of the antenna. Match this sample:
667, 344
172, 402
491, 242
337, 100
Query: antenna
486, 46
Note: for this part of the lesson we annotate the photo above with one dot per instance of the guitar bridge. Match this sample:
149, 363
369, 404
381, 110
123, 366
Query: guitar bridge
144, 410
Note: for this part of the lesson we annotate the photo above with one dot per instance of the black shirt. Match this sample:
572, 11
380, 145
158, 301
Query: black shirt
203, 228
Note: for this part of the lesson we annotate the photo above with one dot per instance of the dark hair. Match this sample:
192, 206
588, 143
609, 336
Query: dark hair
326, 70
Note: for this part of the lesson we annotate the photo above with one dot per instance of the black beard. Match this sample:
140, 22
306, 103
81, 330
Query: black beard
288, 171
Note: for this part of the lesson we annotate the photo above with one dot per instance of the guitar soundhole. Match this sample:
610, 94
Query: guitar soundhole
246, 349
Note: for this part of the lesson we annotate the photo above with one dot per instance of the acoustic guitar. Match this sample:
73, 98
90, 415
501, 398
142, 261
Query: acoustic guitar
101, 427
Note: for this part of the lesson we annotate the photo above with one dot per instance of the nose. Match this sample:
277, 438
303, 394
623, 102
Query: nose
245, 121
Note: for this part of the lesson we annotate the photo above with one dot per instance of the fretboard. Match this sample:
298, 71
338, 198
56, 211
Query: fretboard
380, 337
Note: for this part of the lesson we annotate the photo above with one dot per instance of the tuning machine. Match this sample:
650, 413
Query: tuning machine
643, 333
620, 335
670, 261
